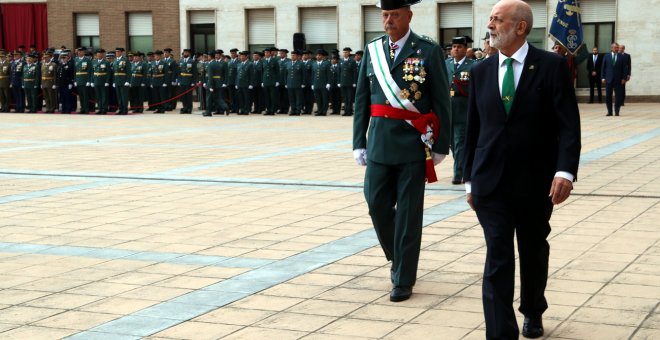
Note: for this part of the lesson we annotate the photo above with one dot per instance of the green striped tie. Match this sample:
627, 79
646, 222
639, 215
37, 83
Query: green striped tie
508, 86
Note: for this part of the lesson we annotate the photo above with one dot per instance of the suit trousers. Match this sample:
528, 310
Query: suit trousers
283, 103
616, 87
19, 98
348, 97
595, 83
503, 214
257, 99
66, 99
234, 98
101, 98
187, 99
395, 197
271, 98
296, 100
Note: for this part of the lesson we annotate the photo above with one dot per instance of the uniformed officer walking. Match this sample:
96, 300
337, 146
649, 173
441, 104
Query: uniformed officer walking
270, 80
32, 82
458, 71
347, 80
5, 89
321, 75
187, 79
64, 81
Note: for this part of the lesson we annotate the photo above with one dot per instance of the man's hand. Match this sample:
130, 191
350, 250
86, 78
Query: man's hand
560, 190
623, 82
360, 156
437, 158
593, 74
603, 81
469, 200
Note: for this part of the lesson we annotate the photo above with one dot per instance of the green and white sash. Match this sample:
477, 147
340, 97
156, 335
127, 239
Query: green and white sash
385, 80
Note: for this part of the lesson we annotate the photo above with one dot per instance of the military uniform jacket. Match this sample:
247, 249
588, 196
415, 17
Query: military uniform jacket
17, 72
459, 88
65, 74
83, 71
334, 75
347, 72
284, 65
307, 69
394, 141
187, 72
320, 74
271, 72
201, 71
171, 70
121, 69
244, 74
5, 73
31, 76
102, 72
158, 71
257, 73
216, 72
139, 73
232, 71
295, 75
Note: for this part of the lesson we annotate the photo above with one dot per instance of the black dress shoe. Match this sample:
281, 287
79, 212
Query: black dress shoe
532, 327
456, 181
607, 115
400, 293
319, 114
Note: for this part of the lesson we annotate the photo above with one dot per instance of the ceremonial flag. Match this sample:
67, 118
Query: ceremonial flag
566, 27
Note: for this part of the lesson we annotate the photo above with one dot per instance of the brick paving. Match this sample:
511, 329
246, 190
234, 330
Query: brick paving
249, 227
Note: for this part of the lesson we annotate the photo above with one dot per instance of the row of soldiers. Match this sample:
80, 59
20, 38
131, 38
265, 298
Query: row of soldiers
269, 83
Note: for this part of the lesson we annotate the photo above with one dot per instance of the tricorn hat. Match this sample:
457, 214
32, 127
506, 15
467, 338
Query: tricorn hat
388, 5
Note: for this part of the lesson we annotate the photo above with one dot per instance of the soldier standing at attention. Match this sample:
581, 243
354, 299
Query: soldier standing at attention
257, 96
270, 81
121, 68
65, 78
83, 77
308, 94
138, 82
358, 61
283, 92
295, 80
187, 79
458, 71
112, 95
347, 81
243, 85
201, 75
150, 92
16, 82
171, 74
231, 80
335, 91
216, 72
402, 95
31, 82
48, 85
159, 69
5, 90
321, 82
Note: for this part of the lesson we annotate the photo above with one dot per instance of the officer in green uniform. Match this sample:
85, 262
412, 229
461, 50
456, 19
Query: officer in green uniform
321, 82
308, 94
100, 79
48, 84
187, 79
150, 92
335, 91
158, 74
171, 74
458, 71
347, 81
243, 85
5, 74
295, 82
121, 75
139, 69
400, 155
256, 94
231, 79
283, 91
216, 75
83, 78
270, 80
32, 82
201, 75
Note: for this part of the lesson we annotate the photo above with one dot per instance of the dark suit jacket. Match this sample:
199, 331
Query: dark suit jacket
540, 136
627, 63
612, 72
591, 67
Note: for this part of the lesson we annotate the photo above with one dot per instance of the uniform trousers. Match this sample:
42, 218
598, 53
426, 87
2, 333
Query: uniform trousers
5, 98
271, 96
296, 100
67, 100
321, 96
283, 103
19, 98
348, 97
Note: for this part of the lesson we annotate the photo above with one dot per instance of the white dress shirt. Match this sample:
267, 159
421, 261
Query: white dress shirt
401, 42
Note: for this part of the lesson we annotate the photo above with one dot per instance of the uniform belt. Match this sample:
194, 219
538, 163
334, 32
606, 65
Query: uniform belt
28, 79
82, 73
47, 78
158, 75
100, 73
120, 74
186, 74
216, 77
4, 77
137, 75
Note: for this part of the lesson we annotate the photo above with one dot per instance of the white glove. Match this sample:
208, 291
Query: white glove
42, 86
360, 156
204, 85
107, 84
192, 85
354, 85
262, 84
250, 87
127, 84
224, 85
22, 86
327, 86
236, 87
75, 84
437, 158
151, 86
211, 89
286, 86
113, 85
70, 86
164, 85
174, 83
91, 84
11, 86
54, 87
338, 84
87, 84
277, 83
142, 85
303, 86
312, 87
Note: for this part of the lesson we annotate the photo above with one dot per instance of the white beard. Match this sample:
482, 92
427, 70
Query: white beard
502, 39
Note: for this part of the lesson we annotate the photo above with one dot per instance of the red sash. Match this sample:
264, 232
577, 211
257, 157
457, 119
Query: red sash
419, 122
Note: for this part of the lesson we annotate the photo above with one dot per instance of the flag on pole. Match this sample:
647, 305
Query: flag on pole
566, 27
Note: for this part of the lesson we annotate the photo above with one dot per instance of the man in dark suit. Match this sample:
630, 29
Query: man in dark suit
403, 101
522, 151
594, 65
613, 75
628, 65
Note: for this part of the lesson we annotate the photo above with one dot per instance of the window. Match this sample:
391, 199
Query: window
261, 29
598, 27
455, 20
537, 37
202, 31
87, 30
140, 32
373, 23
320, 27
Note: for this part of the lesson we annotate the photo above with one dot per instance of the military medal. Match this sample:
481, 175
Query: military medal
404, 94
414, 87
418, 95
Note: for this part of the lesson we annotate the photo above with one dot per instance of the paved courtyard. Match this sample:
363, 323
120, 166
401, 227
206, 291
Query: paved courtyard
253, 227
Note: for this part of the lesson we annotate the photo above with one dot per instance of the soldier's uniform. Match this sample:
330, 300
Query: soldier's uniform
64, 81
171, 74
335, 90
16, 82
201, 75
150, 91
5, 89
257, 95
283, 91
231, 80
347, 82
121, 69
270, 81
32, 82
243, 84
100, 81
82, 80
321, 82
158, 78
308, 94
295, 80
138, 82
459, 89
187, 80
216, 76
398, 161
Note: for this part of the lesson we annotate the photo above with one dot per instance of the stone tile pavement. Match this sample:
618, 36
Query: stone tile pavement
183, 227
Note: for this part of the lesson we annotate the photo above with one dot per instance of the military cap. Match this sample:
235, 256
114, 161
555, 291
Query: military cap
64, 54
274, 49
284, 50
306, 52
120, 49
33, 55
334, 51
130, 53
359, 52
81, 49
141, 54
219, 51
100, 50
187, 50
459, 41
321, 52
66, 50
487, 36
258, 53
209, 53
244, 53
3, 54
150, 53
347, 49
88, 54
168, 50
234, 50
159, 52
110, 55
335, 56
388, 5
296, 52
47, 53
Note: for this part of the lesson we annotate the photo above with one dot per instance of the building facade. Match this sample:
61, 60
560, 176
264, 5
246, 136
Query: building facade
254, 24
